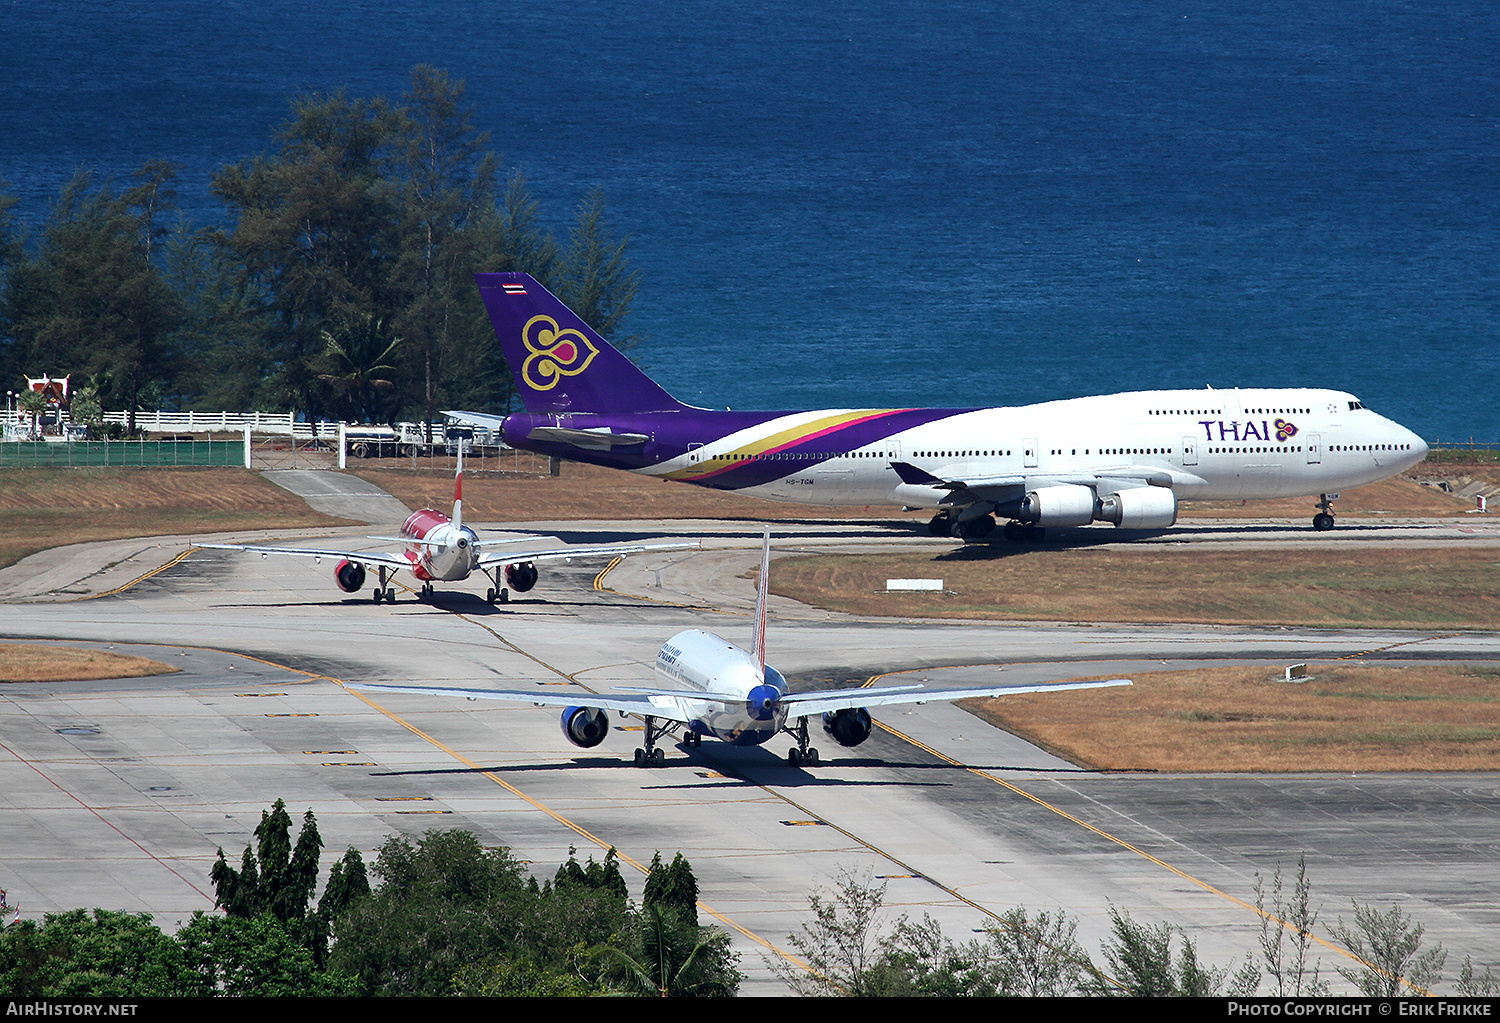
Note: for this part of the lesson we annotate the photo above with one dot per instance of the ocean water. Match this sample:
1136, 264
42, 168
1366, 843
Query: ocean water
917, 203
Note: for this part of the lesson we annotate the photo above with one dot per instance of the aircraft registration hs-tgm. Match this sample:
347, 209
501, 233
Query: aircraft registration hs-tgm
723, 691
1125, 458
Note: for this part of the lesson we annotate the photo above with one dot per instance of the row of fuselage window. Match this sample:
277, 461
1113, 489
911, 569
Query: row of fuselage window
799, 456
811, 456
1247, 412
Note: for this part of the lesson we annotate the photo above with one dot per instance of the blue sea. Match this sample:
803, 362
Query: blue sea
915, 203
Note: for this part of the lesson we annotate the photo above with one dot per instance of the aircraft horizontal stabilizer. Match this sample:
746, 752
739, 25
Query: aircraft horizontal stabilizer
793, 699
811, 704
589, 440
603, 550
419, 542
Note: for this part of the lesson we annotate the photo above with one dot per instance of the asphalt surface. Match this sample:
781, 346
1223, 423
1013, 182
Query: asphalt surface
118, 793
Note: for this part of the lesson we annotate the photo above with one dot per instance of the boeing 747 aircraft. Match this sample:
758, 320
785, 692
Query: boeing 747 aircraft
1125, 458
717, 689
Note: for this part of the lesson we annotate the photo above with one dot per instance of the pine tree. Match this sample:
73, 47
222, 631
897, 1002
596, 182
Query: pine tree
273, 877
672, 887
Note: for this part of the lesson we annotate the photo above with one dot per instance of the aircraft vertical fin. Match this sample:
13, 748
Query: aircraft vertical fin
559, 362
458, 490
758, 639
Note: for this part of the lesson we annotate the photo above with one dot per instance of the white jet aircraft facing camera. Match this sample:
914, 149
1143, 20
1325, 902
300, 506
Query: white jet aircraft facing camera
720, 690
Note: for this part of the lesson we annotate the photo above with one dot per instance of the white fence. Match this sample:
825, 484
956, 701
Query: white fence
225, 422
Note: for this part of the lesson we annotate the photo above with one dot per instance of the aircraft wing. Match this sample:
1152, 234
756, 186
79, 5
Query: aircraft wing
660, 704
363, 557
812, 704
1139, 474
510, 557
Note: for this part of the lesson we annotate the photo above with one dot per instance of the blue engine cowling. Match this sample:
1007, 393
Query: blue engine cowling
520, 577
764, 701
585, 726
350, 575
849, 727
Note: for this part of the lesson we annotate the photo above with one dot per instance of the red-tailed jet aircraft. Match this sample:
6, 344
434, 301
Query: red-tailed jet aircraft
440, 548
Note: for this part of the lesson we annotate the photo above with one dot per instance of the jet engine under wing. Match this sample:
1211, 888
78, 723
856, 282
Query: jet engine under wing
655, 703
367, 557
813, 704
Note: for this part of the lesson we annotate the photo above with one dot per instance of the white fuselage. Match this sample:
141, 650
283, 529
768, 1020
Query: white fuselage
1206, 445
701, 661
447, 552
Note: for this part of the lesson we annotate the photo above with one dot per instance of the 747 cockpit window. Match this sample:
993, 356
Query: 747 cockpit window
1355, 405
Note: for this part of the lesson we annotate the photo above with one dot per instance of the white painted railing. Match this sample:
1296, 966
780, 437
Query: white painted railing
225, 422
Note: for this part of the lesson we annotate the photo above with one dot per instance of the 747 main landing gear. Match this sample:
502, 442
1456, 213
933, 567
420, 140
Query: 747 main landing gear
1024, 532
976, 528
1324, 519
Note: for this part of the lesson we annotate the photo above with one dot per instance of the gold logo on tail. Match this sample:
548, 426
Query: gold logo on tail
555, 353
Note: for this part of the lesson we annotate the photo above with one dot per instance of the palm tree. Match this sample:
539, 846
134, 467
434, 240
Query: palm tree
676, 959
359, 358
33, 403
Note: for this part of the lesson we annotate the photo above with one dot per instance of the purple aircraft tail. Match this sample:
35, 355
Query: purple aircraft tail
559, 363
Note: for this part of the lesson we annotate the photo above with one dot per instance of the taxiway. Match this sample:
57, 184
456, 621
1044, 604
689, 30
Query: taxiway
119, 793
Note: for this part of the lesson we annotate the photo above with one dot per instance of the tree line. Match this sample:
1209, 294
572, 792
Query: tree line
447, 916
851, 948
444, 916
340, 284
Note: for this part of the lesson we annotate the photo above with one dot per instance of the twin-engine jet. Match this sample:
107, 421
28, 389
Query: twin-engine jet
714, 688
1126, 459
440, 548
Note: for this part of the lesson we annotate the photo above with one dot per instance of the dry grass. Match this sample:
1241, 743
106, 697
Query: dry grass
26, 662
41, 508
1398, 497
1348, 718
591, 492
1432, 588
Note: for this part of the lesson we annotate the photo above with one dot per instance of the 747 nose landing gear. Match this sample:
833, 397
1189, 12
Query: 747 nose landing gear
1323, 521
